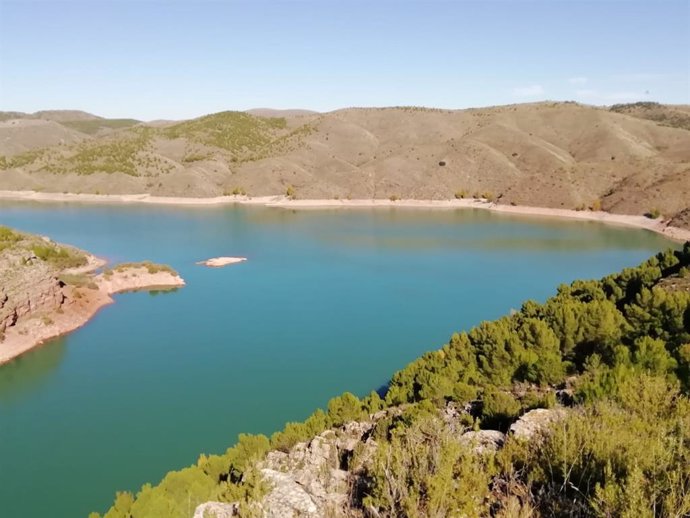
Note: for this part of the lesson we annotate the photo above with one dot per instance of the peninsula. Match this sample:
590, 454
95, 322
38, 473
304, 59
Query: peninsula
48, 289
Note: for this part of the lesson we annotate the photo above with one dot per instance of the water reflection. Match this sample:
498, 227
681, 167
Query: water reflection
30, 371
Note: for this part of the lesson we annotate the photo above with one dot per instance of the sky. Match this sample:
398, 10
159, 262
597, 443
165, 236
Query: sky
179, 59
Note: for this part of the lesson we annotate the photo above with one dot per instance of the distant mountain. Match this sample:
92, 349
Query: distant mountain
626, 159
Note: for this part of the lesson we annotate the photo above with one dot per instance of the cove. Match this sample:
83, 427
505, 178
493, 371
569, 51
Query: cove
328, 301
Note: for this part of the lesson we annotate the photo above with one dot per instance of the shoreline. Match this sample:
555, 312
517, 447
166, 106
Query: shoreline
279, 201
80, 306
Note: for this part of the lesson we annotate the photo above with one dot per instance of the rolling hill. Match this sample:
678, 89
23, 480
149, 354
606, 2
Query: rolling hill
630, 159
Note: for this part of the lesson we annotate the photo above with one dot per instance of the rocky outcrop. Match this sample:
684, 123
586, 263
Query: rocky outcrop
536, 422
216, 510
319, 478
47, 296
312, 480
483, 441
27, 286
217, 262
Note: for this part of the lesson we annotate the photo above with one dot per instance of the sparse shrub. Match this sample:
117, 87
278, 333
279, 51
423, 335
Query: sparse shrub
290, 192
461, 194
58, 256
150, 267
596, 205
236, 191
653, 214
8, 237
394, 197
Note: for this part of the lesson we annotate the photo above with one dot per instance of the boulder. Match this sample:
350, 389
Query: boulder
216, 510
536, 422
483, 441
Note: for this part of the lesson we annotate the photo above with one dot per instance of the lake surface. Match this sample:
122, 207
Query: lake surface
328, 301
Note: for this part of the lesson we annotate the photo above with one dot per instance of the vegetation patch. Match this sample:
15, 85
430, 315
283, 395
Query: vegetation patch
118, 154
236, 191
91, 127
150, 267
663, 115
8, 238
233, 131
22, 159
59, 256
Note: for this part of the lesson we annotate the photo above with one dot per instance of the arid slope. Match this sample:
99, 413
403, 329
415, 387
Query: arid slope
561, 155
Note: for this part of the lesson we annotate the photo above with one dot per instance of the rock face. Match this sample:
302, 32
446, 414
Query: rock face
27, 286
312, 479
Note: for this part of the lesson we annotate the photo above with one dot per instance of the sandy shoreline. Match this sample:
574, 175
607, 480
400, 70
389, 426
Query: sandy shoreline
80, 305
659, 226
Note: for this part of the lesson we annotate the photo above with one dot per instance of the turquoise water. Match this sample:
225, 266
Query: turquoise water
329, 301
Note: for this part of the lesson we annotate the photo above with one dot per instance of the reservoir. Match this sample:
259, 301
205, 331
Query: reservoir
328, 301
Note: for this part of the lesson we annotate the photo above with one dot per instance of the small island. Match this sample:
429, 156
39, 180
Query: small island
48, 289
217, 262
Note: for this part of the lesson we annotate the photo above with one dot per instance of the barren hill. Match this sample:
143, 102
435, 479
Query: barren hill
22, 135
562, 155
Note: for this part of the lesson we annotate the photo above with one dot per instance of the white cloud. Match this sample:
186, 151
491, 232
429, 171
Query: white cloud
529, 91
580, 80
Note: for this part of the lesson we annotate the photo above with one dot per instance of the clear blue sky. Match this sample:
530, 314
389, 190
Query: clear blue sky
178, 59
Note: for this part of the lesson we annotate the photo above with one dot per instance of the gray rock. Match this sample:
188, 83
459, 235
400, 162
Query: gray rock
483, 441
216, 510
308, 481
536, 422
287, 498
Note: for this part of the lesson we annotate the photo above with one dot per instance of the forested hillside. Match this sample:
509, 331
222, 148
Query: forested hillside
610, 358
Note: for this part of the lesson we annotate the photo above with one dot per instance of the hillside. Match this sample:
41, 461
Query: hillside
21, 132
674, 116
626, 159
577, 407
